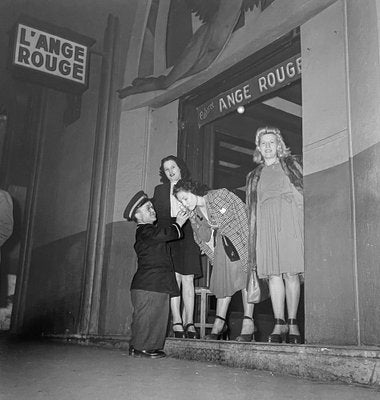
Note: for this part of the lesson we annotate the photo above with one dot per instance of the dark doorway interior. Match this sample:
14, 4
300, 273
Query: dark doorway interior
233, 146
234, 135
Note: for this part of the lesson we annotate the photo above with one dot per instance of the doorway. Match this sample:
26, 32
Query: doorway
219, 153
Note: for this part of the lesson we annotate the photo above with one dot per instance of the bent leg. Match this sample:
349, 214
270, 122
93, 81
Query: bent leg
248, 325
221, 311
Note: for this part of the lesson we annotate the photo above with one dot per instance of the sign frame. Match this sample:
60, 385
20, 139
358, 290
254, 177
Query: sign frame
37, 76
272, 79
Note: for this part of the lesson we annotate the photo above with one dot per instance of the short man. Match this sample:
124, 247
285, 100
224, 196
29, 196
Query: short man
154, 281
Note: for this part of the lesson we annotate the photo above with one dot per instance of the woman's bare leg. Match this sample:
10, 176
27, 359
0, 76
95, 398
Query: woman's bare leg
175, 304
292, 290
248, 325
277, 293
188, 300
221, 310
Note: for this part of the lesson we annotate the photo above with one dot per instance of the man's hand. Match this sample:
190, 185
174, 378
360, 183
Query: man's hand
182, 217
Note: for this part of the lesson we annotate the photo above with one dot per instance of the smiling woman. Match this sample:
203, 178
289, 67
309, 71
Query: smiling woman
276, 244
185, 253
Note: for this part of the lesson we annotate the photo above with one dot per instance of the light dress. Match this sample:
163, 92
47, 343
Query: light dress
280, 238
227, 276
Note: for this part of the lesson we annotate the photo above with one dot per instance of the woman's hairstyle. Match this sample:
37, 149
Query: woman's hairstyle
188, 185
282, 150
185, 173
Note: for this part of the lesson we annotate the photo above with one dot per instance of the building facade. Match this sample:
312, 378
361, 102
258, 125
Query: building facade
72, 172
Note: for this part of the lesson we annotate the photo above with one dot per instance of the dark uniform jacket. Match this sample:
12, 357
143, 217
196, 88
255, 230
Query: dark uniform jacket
155, 272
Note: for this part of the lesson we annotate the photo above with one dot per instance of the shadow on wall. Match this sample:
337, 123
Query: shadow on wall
54, 289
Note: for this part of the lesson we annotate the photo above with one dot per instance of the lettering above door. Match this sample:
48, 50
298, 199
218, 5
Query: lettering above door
269, 81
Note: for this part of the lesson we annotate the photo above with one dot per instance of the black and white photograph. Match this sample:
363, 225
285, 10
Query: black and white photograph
189, 199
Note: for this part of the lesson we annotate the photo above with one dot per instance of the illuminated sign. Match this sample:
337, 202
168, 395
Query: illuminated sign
269, 81
51, 56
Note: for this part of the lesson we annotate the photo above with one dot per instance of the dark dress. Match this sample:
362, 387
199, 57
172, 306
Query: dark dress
185, 252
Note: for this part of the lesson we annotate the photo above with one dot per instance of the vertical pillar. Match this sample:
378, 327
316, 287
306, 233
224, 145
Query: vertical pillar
146, 136
99, 201
331, 307
363, 49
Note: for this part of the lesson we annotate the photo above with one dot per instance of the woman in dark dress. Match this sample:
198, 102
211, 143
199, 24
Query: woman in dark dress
184, 252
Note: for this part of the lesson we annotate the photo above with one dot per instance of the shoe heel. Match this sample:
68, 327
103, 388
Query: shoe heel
247, 337
279, 337
293, 338
179, 334
223, 334
191, 334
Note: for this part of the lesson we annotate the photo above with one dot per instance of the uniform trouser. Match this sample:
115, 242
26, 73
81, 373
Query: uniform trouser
149, 320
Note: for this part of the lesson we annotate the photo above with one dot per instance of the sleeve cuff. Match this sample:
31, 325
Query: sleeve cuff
179, 230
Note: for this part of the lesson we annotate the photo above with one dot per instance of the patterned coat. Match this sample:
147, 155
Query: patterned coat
229, 214
292, 166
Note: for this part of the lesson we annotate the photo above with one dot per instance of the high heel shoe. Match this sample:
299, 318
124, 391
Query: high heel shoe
247, 337
223, 334
179, 334
279, 337
292, 338
191, 334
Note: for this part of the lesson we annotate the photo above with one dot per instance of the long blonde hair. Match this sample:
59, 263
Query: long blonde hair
282, 150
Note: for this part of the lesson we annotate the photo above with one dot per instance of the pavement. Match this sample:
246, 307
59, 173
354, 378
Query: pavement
62, 371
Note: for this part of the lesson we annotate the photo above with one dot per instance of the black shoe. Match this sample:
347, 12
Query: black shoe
191, 334
223, 334
247, 337
179, 334
293, 339
146, 353
279, 337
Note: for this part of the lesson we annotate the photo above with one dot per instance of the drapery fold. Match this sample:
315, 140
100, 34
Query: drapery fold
204, 47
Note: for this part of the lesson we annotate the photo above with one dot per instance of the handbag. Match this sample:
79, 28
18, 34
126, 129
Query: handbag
230, 249
257, 289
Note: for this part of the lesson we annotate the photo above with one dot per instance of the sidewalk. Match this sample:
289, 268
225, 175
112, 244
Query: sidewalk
55, 371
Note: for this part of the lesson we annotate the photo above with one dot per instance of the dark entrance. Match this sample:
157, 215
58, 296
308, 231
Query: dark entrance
220, 152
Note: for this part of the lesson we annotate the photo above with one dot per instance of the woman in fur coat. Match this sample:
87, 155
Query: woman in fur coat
274, 194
